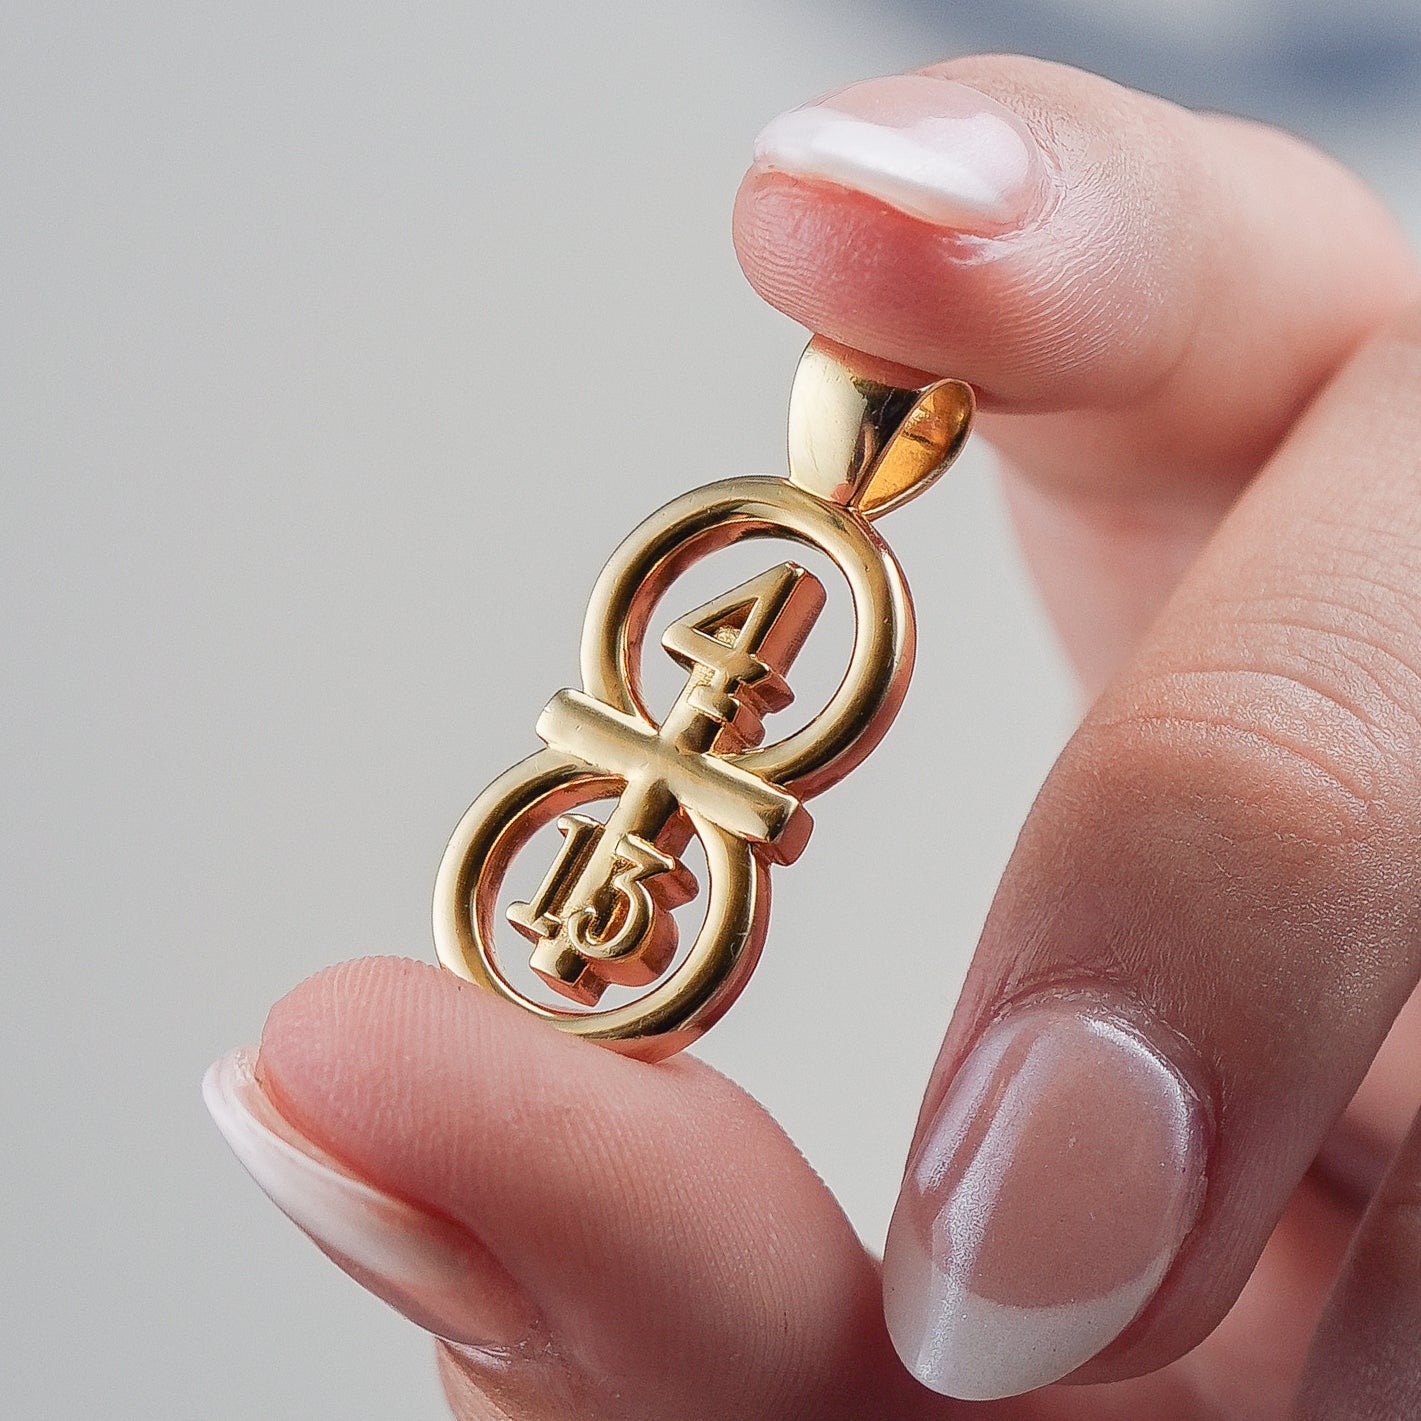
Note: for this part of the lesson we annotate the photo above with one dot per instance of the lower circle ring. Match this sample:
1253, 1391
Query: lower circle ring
683, 1004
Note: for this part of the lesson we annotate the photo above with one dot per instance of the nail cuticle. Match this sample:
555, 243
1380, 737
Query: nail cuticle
1116, 1003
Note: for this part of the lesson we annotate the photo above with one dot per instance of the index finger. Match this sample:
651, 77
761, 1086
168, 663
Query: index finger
1205, 932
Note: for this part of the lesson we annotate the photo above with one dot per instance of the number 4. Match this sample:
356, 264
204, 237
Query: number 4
746, 639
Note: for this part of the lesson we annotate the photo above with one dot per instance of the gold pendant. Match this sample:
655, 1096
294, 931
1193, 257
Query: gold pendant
602, 917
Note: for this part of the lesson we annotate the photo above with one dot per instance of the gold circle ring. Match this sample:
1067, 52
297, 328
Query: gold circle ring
684, 1004
706, 519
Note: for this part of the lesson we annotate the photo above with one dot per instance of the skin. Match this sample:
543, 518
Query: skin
1202, 369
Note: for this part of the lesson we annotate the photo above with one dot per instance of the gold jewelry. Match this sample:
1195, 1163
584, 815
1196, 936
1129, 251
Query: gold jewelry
858, 447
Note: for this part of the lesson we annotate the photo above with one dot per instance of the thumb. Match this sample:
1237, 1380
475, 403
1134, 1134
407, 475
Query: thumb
593, 1236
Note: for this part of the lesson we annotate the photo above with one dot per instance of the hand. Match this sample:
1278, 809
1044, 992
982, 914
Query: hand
1195, 349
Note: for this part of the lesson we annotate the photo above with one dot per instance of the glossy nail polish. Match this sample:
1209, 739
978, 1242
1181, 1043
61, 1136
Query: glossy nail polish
425, 1266
1044, 1204
933, 148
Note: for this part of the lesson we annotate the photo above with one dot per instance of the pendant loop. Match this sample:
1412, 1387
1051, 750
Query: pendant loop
863, 443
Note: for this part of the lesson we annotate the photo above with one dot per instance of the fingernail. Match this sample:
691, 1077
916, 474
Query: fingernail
430, 1269
1044, 1205
932, 148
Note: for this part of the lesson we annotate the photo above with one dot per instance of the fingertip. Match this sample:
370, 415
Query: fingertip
324, 1043
352, 1020
631, 1201
371, 1058
436, 1273
988, 225
1142, 247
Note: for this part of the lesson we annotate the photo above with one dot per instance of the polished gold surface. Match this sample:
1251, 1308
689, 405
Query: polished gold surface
602, 916
855, 439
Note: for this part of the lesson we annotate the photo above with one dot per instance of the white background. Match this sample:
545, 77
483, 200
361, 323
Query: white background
338, 346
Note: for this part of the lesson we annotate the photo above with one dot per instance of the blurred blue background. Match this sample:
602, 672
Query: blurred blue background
1300, 62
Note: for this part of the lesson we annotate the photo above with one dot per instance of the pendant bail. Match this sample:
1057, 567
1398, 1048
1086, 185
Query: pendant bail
866, 444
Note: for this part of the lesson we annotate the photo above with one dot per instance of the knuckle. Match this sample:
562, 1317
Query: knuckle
1271, 771
1315, 699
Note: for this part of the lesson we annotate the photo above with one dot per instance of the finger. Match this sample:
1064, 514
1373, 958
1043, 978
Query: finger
1208, 925
595, 1236
1365, 1363
1145, 297
1250, 1364
1358, 1152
